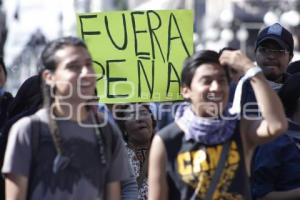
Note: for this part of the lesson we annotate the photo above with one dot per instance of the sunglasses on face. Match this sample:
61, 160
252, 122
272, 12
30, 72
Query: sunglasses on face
268, 51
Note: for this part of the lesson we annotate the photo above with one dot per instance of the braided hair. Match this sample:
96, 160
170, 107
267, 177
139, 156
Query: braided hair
50, 61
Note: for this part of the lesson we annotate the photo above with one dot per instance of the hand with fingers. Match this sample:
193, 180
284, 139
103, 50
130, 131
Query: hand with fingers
236, 60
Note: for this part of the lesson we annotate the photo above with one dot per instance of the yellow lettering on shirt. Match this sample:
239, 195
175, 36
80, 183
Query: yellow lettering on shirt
234, 156
214, 154
184, 162
197, 168
199, 157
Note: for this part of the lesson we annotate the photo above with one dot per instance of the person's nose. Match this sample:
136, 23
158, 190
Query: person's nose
87, 71
215, 86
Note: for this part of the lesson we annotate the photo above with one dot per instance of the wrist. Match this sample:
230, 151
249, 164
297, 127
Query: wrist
248, 67
252, 71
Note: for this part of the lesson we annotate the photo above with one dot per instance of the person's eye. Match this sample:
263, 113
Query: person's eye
74, 67
89, 64
262, 49
223, 80
205, 81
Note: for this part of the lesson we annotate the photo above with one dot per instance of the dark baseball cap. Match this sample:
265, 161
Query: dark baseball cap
277, 33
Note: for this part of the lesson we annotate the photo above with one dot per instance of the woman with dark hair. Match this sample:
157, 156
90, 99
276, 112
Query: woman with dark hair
64, 150
206, 152
276, 165
137, 124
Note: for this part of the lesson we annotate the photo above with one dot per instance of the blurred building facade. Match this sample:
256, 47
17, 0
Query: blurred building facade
217, 23
3, 29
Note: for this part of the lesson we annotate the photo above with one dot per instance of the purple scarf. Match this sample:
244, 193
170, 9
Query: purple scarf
207, 131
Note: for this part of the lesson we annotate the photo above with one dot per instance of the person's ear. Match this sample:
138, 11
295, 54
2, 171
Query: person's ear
185, 92
47, 76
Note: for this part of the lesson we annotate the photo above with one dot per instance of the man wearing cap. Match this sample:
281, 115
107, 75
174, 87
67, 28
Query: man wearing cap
274, 50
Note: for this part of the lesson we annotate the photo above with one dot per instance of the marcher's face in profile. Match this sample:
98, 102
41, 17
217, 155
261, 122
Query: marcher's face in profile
74, 74
209, 90
139, 125
2, 77
273, 63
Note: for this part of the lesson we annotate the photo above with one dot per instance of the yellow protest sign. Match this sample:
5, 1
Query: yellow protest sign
138, 55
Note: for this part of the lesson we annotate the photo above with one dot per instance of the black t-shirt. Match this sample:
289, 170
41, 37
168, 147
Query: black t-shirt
190, 163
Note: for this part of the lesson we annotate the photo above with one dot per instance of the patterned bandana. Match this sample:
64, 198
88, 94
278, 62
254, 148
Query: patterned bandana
207, 131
